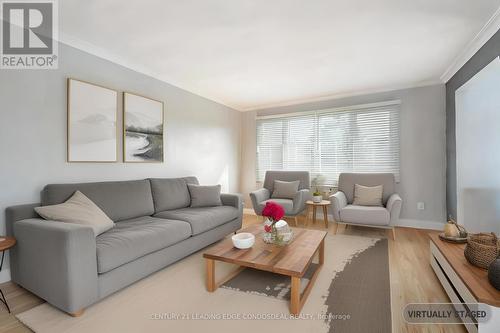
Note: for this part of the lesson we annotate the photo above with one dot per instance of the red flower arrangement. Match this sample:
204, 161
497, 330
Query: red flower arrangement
273, 211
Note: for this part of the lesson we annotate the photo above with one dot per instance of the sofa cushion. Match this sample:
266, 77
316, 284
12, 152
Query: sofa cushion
171, 193
371, 215
205, 196
109, 196
203, 218
287, 204
132, 239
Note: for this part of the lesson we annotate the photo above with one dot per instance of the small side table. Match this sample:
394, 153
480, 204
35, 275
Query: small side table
5, 244
312, 208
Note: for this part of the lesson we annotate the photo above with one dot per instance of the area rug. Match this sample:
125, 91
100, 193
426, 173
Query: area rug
361, 290
175, 299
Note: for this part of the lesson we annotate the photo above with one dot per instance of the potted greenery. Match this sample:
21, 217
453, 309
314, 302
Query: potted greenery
317, 182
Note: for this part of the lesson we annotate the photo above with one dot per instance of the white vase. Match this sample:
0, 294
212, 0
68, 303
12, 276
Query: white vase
317, 198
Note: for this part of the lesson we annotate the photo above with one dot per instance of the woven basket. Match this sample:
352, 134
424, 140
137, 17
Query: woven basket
482, 249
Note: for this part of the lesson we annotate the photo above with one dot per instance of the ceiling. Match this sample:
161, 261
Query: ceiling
250, 54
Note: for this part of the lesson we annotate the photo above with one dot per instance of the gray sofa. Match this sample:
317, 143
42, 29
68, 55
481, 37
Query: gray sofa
70, 268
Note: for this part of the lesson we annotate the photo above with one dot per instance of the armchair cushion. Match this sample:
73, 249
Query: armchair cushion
370, 215
285, 190
368, 195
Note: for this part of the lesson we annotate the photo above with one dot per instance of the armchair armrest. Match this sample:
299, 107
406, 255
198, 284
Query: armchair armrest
257, 197
299, 201
57, 261
338, 201
394, 207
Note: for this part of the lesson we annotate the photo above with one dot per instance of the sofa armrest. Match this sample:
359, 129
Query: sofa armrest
394, 207
338, 201
56, 261
233, 200
299, 201
257, 197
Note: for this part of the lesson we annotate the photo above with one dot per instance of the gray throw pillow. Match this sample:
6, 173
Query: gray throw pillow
285, 190
204, 196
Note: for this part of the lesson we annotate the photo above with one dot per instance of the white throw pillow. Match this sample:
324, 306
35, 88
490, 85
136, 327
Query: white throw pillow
78, 210
368, 195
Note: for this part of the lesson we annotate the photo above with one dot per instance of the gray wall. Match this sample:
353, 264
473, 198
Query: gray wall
202, 137
483, 57
422, 149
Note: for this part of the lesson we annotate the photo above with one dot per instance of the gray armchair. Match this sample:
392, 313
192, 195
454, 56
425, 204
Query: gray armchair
293, 207
385, 216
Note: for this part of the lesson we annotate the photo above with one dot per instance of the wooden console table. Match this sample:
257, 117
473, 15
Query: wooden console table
465, 283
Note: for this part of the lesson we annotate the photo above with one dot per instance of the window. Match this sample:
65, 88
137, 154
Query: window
361, 138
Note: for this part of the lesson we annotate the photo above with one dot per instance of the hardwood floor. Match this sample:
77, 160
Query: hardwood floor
412, 278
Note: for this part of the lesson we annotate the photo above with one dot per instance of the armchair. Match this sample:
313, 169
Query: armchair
385, 216
293, 207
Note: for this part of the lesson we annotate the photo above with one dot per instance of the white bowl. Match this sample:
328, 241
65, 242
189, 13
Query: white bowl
243, 240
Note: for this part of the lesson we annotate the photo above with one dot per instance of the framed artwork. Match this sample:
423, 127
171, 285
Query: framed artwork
143, 129
92, 116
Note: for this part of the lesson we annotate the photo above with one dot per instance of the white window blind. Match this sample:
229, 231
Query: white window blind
362, 138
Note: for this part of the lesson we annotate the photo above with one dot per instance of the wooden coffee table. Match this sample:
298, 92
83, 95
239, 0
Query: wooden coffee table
292, 260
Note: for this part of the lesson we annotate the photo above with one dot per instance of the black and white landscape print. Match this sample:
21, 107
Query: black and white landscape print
92, 111
143, 139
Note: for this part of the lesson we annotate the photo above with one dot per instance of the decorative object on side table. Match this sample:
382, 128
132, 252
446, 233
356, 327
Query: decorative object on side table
482, 249
494, 273
453, 232
276, 231
318, 181
5, 244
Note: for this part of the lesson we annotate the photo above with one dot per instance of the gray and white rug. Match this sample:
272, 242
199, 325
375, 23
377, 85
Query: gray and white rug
361, 290
352, 288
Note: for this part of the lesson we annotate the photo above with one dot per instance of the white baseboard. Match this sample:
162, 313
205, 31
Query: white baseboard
5, 275
421, 224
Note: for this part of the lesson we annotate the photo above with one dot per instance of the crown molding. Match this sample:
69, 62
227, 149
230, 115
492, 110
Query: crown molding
488, 30
114, 58
342, 95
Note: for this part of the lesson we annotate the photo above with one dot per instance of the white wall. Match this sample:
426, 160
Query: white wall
202, 138
477, 105
423, 164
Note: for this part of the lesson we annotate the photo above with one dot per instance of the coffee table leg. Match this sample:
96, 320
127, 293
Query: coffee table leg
314, 215
321, 252
211, 275
295, 296
325, 216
